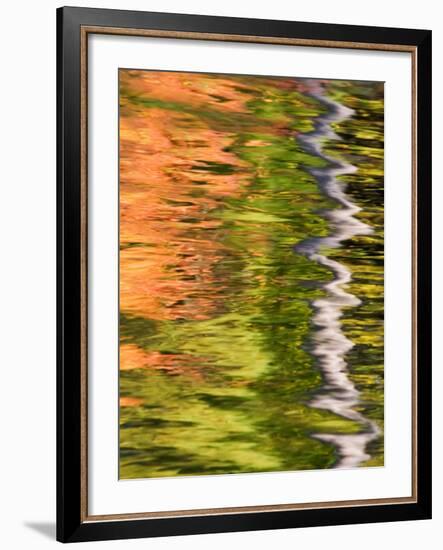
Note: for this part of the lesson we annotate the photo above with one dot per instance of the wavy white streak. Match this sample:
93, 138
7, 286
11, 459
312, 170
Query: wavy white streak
338, 393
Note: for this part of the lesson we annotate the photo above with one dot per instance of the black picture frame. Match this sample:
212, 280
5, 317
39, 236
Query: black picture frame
72, 525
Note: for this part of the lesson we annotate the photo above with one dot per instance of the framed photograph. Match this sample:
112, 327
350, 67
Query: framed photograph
244, 270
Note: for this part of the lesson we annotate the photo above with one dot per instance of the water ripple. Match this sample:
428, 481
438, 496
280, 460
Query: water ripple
330, 345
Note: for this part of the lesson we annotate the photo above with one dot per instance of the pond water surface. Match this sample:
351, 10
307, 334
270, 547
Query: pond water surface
251, 274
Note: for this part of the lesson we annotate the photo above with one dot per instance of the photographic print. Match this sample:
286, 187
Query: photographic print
243, 274
251, 273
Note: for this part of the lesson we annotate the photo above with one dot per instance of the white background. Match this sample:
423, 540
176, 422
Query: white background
27, 218
107, 494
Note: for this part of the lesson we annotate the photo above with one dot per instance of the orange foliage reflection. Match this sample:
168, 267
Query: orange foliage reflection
167, 259
170, 191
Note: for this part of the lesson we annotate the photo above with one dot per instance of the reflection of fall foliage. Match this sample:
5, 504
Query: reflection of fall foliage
215, 307
175, 172
133, 357
196, 89
167, 253
166, 270
130, 401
